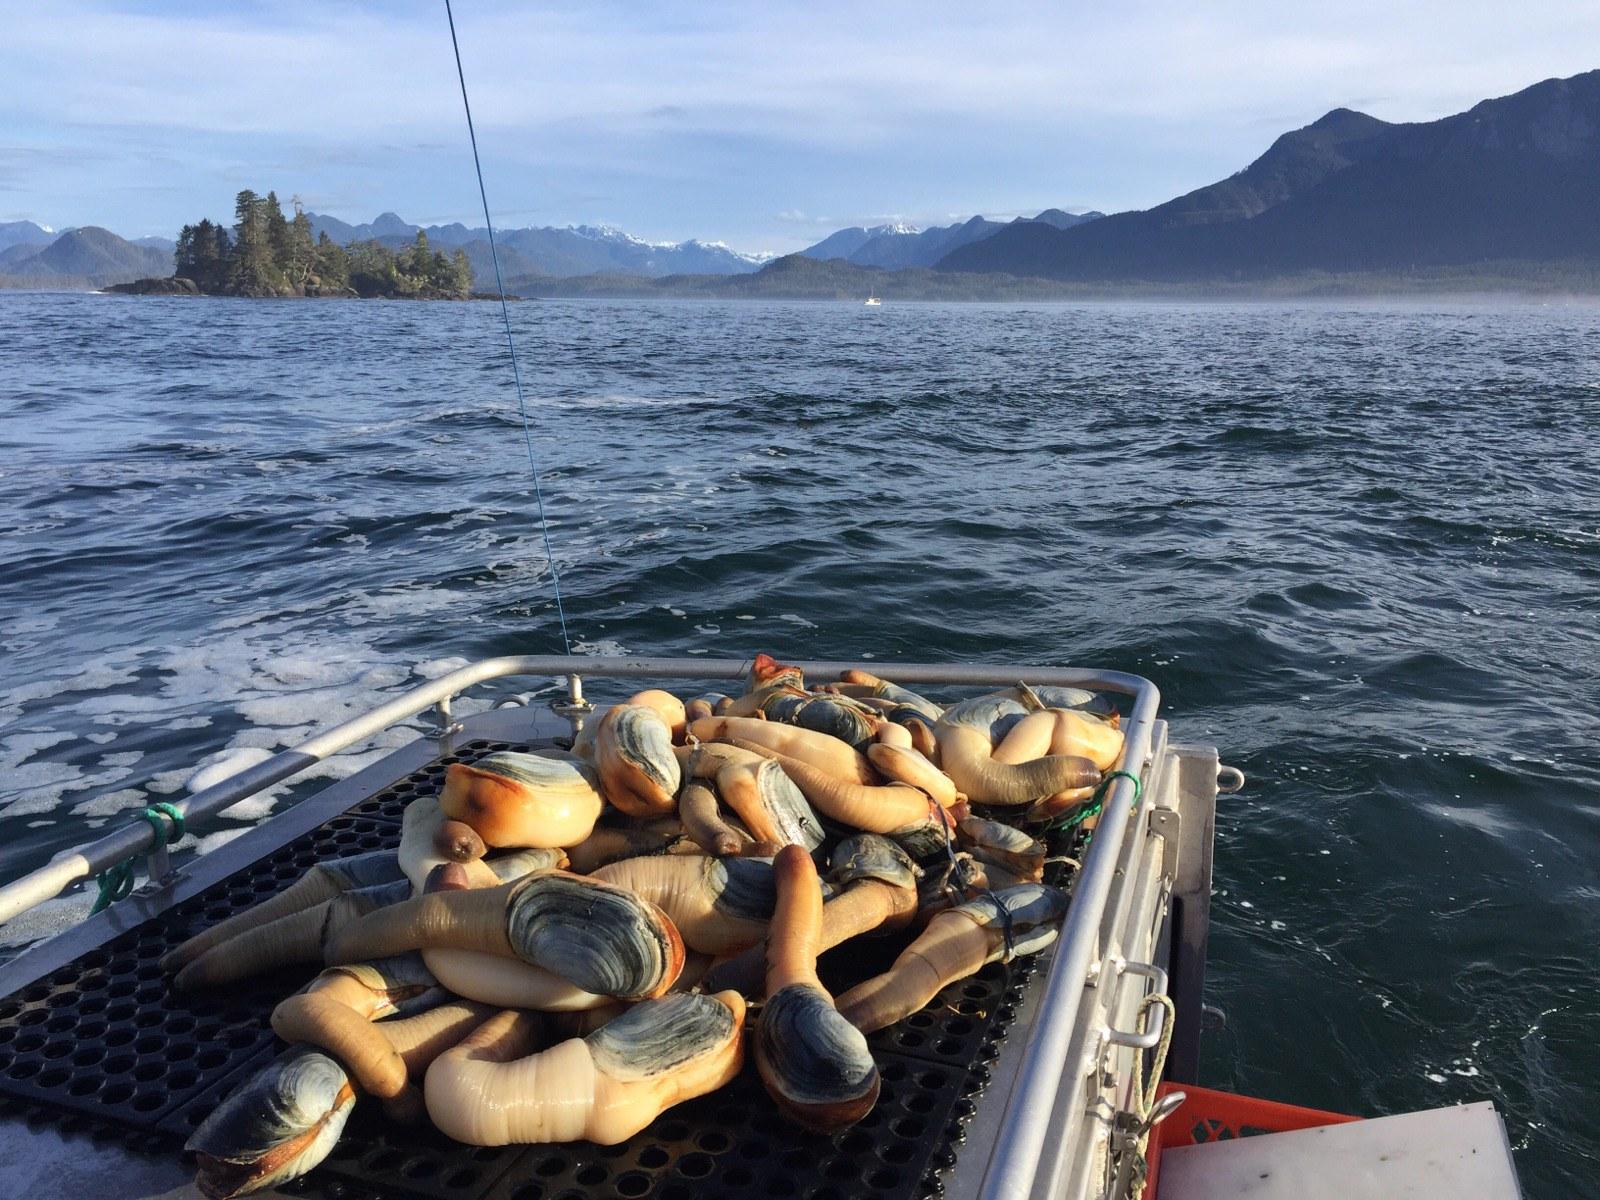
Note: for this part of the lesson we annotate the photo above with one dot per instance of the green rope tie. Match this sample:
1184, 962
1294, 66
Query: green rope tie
1097, 801
116, 883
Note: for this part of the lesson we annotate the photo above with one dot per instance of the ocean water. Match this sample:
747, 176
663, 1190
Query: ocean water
1357, 547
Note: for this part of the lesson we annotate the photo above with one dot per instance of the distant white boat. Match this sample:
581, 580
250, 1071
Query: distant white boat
872, 298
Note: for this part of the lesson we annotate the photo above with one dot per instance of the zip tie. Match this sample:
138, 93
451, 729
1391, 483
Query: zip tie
116, 882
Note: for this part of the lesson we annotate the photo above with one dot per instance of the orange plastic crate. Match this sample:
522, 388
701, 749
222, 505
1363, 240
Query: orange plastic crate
1212, 1116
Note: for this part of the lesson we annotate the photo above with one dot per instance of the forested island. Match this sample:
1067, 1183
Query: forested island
270, 254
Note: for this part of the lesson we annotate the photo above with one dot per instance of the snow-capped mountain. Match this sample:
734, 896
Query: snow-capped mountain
899, 245
547, 250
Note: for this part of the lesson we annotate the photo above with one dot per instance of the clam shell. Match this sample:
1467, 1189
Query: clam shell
1075, 698
905, 699
833, 715
642, 740
1028, 904
518, 863
923, 841
990, 715
815, 1064
792, 815
998, 843
603, 939
745, 888
526, 799
398, 972
654, 1037
870, 856
303, 1095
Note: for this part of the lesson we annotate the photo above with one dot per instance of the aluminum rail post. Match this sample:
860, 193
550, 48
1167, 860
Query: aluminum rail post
1014, 1162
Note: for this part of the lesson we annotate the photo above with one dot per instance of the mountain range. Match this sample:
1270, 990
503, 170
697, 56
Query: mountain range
89, 256
1504, 194
897, 246
1511, 180
547, 250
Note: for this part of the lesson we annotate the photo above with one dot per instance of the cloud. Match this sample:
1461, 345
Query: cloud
710, 118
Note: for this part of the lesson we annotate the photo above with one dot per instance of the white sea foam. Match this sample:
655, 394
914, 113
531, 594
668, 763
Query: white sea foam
609, 647
109, 804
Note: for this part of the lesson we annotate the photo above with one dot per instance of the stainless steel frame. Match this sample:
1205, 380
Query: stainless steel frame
1045, 1109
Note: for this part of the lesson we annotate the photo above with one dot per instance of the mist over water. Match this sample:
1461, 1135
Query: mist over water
1356, 546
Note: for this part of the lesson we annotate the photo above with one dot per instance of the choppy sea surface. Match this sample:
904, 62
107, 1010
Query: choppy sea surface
1356, 545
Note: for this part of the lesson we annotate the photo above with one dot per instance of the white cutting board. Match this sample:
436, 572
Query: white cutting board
1458, 1153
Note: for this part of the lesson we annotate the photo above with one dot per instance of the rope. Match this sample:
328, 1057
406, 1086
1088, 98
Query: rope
511, 345
116, 882
1144, 1095
1096, 802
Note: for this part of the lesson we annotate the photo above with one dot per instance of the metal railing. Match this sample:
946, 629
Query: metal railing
1028, 1119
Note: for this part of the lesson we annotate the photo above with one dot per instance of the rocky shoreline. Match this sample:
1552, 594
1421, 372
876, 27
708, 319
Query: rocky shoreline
177, 285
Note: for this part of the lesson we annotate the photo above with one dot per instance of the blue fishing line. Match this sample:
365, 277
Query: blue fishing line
511, 346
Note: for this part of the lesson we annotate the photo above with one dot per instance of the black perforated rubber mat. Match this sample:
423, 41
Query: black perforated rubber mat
104, 1046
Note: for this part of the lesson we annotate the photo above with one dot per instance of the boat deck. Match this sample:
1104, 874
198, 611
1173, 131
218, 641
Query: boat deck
105, 1070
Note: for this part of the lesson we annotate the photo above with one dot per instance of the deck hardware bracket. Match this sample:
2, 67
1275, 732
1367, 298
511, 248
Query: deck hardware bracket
158, 864
574, 708
1166, 824
1229, 779
1099, 967
445, 724
1213, 1018
1150, 1036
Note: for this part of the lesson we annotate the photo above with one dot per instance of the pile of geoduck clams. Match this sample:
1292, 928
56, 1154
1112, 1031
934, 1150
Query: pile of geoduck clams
566, 944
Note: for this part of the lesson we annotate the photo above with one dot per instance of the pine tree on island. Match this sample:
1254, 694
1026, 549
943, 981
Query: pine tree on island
270, 254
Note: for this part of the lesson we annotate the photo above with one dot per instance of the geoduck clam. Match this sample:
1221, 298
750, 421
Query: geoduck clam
864, 684
286, 1118
892, 809
492, 1090
427, 844
814, 1063
1061, 731
996, 844
873, 886
968, 734
818, 750
906, 764
633, 754
282, 1122
701, 814
837, 716
766, 678
611, 842
602, 939
957, 943
718, 906
767, 802
321, 883
514, 799
335, 1013
297, 938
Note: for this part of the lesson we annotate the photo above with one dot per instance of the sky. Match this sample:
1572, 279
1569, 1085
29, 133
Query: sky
764, 125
